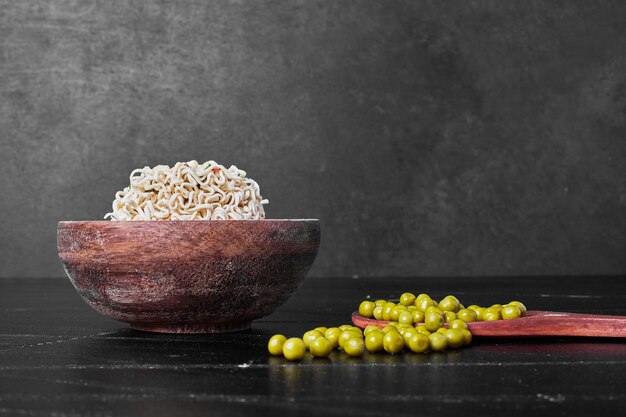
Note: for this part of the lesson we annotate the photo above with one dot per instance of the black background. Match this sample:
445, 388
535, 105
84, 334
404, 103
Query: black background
468, 138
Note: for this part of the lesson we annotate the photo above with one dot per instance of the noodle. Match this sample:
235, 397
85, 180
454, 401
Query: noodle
189, 191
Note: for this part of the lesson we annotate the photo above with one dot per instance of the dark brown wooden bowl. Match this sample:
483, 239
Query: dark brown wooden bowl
187, 276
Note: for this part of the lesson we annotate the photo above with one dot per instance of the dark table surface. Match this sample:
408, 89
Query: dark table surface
60, 358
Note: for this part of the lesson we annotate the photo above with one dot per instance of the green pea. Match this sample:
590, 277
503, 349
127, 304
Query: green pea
433, 321
401, 327
418, 316
374, 341
423, 330
332, 335
275, 345
511, 312
457, 324
366, 309
294, 349
407, 334
378, 312
521, 306
455, 338
467, 315
393, 342
348, 334
387, 310
449, 303
492, 314
390, 327
369, 329
480, 313
449, 316
433, 309
438, 342
419, 343
407, 299
357, 330
423, 301
405, 317
354, 346
320, 347
395, 312
310, 336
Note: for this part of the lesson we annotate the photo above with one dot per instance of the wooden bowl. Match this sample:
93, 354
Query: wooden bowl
187, 276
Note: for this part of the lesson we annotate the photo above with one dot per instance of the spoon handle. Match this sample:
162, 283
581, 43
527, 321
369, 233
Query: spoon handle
538, 323
554, 323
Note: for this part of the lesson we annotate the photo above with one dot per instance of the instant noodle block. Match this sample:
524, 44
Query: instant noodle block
187, 276
189, 191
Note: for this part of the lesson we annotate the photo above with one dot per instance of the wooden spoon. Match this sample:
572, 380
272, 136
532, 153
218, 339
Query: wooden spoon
535, 323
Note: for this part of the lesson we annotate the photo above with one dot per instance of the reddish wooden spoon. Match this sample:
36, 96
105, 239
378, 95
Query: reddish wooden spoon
535, 323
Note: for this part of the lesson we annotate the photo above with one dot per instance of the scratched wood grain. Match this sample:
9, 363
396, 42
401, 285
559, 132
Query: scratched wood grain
187, 276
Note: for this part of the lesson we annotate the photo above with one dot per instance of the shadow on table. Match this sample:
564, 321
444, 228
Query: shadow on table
574, 346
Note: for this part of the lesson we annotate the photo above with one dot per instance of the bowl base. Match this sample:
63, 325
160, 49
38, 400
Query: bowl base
190, 328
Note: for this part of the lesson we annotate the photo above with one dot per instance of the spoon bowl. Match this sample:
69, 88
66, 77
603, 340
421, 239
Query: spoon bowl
535, 323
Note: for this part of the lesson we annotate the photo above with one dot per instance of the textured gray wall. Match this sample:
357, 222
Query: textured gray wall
430, 138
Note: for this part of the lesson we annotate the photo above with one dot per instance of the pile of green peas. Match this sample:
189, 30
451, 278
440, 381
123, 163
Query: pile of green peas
423, 309
320, 342
400, 333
